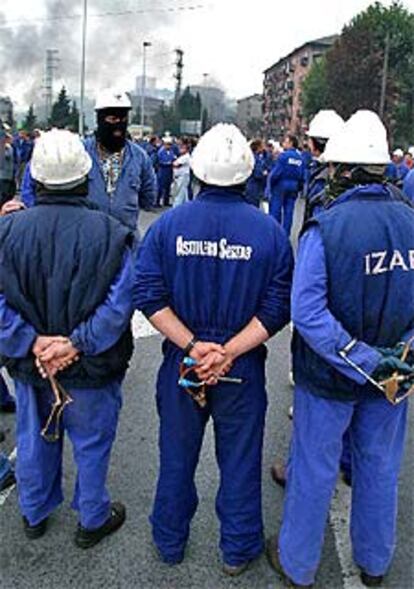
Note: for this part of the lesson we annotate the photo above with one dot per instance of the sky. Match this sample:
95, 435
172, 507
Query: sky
232, 41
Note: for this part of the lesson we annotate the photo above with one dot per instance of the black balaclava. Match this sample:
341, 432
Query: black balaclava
105, 133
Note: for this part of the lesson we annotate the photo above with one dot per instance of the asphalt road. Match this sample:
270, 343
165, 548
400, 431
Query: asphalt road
127, 560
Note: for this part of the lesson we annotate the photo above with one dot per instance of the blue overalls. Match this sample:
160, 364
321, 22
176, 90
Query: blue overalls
283, 186
256, 184
135, 188
330, 396
408, 186
216, 262
166, 157
90, 421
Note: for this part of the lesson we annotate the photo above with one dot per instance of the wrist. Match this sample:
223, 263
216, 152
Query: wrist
190, 346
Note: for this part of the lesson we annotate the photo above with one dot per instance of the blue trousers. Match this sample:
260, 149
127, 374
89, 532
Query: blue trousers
5, 396
238, 413
164, 179
282, 208
90, 423
377, 432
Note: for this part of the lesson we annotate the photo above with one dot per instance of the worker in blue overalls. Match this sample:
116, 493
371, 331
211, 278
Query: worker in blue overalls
213, 276
122, 179
256, 184
165, 158
285, 182
58, 313
352, 299
324, 125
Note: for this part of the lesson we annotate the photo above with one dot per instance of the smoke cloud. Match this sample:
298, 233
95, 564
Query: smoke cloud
114, 48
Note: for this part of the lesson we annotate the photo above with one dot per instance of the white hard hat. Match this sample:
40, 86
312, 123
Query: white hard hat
111, 98
223, 157
411, 151
167, 139
398, 152
60, 160
362, 140
325, 124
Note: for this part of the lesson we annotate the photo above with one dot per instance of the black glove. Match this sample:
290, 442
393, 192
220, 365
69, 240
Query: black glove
388, 365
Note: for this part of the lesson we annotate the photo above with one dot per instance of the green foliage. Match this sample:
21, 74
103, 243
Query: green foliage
61, 111
315, 89
189, 106
355, 67
29, 123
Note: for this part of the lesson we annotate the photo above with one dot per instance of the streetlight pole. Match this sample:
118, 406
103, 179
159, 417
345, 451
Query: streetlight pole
143, 83
83, 69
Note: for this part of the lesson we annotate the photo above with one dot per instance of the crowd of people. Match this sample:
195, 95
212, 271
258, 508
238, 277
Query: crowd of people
216, 277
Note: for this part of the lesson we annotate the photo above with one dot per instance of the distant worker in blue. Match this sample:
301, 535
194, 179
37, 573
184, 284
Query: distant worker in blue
213, 276
256, 184
62, 317
122, 179
401, 167
408, 185
352, 305
165, 159
285, 182
324, 125
23, 145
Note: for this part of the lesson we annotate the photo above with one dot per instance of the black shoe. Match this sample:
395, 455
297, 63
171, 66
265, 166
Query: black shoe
8, 481
88, 538
278, 473
371, 581
272, 554
37, 531
9, 407
235, 570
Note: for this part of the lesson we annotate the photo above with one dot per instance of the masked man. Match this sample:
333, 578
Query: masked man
213, 276
59, 312
122, 179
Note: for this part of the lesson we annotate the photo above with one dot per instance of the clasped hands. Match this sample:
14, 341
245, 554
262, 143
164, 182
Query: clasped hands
213, 361
53, 354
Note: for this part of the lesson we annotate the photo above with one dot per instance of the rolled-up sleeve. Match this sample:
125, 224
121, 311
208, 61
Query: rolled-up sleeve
150, 290
110, 320
274, 310
313, 319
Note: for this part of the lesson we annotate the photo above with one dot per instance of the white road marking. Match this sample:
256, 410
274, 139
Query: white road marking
4, 495
339, 518
141, 327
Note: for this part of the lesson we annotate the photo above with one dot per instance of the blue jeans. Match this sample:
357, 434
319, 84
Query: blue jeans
377, 433
282, 207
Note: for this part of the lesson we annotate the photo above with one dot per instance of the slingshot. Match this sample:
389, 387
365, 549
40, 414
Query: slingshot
198, 389
51, 429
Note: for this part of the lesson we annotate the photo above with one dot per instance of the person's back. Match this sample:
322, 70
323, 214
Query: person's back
217, 270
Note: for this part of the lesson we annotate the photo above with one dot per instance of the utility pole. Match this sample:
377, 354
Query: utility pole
83, 69
384, 76
51, 65
145, 45
179, 66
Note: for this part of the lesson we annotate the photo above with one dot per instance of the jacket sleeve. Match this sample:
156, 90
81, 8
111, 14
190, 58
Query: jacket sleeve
16, 336
274, 176
110, 320
28, 188
274, 310
148, 184
312, 317
150, 290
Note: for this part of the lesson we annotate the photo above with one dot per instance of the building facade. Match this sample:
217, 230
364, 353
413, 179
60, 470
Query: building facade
250, 115
282, 109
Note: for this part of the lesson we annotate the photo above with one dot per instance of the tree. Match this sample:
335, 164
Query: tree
73, 123
61, 111
189, 106
29, 123
355, 65
315, 89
